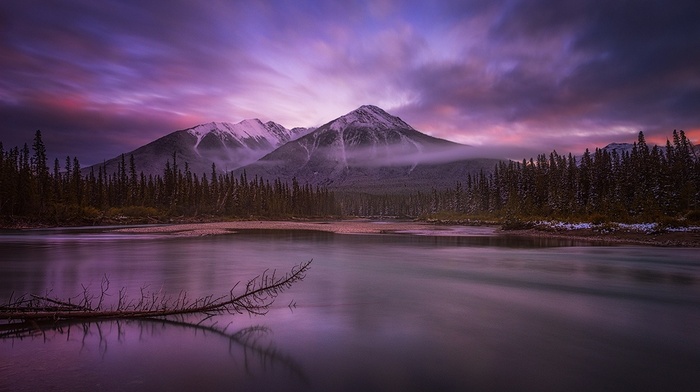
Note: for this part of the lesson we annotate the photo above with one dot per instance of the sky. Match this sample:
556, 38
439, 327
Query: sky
519, 77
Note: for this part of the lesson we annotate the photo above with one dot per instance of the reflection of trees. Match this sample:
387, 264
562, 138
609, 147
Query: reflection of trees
250, 340
257, 354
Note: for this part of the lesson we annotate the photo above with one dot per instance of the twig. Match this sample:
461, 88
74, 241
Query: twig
61, 303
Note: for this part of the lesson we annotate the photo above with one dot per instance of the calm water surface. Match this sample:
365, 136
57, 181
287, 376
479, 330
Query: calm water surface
375, 313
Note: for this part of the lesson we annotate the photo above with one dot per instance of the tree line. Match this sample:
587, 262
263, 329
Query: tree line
30, 191
644, 184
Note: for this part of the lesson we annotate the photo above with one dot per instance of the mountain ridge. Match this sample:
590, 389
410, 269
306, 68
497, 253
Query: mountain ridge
227, 145
366, 149
369, 150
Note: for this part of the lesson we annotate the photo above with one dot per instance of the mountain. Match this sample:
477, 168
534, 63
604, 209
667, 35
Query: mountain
619, 148
227, 145
369, 150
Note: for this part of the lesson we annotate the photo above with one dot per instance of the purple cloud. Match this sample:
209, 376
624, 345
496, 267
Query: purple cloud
101, 78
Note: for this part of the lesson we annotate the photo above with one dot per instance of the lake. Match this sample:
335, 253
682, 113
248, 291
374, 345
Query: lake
399, 312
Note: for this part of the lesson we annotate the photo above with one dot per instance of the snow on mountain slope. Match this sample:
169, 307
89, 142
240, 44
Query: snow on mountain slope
368, 116
369, 136
619, 148
227, 145
368, 149
252, 133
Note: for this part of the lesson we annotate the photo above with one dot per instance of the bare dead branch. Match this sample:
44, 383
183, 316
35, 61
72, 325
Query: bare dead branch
27, 312
60, 303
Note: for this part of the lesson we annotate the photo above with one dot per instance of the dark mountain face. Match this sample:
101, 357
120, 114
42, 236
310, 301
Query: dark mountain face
369, 150
227, 145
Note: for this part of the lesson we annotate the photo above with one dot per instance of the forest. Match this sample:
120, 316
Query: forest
654, 184
31, 193
647, 184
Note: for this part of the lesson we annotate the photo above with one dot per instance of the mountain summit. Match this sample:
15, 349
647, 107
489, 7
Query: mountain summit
227, 145
368, 116
222, 139
367, 150
369, 136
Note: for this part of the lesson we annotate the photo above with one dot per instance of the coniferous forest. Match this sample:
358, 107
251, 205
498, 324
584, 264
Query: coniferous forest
30, 192
646, 184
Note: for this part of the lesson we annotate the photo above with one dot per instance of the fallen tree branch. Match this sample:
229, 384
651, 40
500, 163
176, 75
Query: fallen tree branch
259, 294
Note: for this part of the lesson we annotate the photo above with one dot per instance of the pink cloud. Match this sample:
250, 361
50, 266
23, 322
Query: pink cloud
528, 75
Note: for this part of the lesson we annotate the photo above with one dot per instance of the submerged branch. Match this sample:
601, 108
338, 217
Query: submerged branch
259, 294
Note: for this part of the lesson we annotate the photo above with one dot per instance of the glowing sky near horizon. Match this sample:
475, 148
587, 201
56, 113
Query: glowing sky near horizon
100, 78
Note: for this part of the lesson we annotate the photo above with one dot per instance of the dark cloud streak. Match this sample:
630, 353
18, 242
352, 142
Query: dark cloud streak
638, 65
99, 135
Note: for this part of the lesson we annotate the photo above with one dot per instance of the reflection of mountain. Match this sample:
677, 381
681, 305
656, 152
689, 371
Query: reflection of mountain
370, 150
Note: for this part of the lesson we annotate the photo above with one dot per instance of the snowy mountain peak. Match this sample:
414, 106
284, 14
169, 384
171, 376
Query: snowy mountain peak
367, 137
369, 116
250, 129
619, 148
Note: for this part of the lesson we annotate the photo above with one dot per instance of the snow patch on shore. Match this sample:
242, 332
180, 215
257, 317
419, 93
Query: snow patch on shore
647, 228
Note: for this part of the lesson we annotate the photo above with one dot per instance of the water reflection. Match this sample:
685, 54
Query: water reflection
145, 353
379, 312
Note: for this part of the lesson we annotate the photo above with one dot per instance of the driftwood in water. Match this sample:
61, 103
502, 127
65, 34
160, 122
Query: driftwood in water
34, 311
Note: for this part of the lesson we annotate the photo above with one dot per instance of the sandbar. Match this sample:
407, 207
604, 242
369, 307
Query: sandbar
338, 227
366, 226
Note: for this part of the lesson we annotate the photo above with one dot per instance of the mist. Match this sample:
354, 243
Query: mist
412, 155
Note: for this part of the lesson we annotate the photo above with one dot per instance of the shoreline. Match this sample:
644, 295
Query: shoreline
669, 239
337, 227
365, 226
